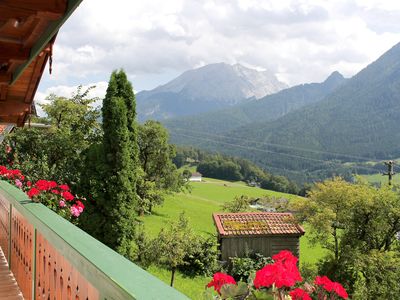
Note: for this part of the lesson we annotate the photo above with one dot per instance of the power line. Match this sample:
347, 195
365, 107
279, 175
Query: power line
280, 145
269, 151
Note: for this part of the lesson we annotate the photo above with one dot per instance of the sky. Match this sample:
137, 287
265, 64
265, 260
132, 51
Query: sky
156, 40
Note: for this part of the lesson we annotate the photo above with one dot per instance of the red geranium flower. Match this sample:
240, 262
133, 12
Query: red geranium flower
339, 290
67, 196
331, 286
325, 282
64, 187
299, 294
283, 272
33, 192
220, 279
42, 185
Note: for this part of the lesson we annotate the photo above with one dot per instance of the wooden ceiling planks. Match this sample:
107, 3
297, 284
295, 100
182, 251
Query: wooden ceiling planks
27, 33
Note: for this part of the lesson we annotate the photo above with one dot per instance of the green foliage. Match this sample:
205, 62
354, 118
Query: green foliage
358, 223
241, 268
238, 204
56, 152
160, 175
143, 251
202, 259
173, 243
115, 174
379, 274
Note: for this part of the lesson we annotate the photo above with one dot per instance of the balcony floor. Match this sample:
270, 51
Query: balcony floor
9, 289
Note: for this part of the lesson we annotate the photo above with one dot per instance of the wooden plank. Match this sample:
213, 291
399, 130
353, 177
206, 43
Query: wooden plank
13, 52
54, 6
7, 108
3, 92
9, 288
5, 78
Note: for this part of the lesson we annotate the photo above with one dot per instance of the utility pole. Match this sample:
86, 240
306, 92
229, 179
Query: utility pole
390, 173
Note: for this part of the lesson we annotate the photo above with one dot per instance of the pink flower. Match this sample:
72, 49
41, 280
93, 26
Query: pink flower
75, 211
80, 206
18, 183
61, 203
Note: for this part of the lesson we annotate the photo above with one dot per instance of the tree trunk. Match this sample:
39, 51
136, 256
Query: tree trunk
172, 276
336, 244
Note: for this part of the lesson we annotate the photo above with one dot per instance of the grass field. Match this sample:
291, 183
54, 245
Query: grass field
379, 178
204, 199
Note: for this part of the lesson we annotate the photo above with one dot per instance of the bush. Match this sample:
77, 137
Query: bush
202, 260
242, 267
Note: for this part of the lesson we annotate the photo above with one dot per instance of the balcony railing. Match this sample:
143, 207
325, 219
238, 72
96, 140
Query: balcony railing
53, 259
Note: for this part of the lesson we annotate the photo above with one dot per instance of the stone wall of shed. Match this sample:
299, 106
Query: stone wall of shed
268, 246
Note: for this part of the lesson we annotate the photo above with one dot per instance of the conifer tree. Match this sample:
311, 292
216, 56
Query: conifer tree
113, 211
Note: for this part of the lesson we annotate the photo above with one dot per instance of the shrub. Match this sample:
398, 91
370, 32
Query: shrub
202, 259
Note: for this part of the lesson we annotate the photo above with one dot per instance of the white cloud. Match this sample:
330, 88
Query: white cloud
299, 40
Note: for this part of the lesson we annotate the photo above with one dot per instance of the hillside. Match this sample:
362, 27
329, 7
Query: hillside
359, 118
204, 199
268, 108
211, 87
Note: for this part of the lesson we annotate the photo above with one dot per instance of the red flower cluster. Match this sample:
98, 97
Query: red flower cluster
282, 273
219, 279
299, 294
55, 196
331, 286
11, 174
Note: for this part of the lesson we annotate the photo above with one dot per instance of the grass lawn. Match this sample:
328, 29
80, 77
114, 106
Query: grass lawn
204, 199
379, 178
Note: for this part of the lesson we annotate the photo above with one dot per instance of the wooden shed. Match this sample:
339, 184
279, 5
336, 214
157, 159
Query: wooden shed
266, 233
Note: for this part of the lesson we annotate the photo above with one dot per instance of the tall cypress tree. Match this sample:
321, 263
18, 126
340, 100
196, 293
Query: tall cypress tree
112, 215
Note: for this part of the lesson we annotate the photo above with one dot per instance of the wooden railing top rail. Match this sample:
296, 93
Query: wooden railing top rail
114, 276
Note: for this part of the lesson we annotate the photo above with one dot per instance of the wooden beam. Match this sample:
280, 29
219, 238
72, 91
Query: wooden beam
5, 78
13, 52
16, 109
3, 92
53, 6
45, 38
10, 40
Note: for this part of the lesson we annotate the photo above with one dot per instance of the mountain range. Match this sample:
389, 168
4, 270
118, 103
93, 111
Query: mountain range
211, 87
268, 108
308, 128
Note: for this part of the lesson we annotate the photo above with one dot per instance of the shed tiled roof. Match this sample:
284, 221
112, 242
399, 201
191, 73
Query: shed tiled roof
256, 223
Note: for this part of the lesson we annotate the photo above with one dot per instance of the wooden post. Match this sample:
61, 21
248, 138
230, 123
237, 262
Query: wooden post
390, 173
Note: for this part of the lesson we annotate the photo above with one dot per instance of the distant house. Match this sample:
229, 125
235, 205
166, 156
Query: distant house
266, 233
196, 177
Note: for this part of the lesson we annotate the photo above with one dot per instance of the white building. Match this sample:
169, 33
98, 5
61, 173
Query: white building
196, 177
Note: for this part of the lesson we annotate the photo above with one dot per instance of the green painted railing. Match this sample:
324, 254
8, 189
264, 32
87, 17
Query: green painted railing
75, 264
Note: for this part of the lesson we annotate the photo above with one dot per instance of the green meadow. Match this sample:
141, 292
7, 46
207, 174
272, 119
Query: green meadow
205, 198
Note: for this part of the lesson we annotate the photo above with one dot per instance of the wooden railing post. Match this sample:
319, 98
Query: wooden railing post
34, 264
9, 236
